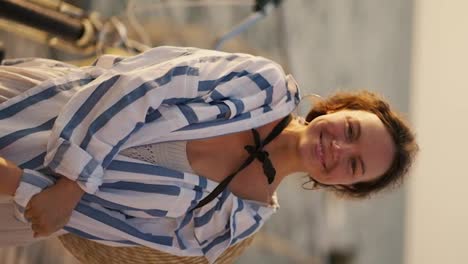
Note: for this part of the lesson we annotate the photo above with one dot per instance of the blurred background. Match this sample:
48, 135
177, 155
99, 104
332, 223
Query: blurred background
412, 52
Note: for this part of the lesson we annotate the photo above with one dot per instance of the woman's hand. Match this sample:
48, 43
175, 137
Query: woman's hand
51, 209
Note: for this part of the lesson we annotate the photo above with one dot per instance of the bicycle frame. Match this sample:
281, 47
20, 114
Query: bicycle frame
69, 28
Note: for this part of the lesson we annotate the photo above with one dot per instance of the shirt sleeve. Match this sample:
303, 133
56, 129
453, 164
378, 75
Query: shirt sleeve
32, 182
101, 116
98, 120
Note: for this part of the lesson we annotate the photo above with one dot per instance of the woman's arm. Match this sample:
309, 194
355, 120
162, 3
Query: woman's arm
10, 176
102, 115
99, 119
48, 210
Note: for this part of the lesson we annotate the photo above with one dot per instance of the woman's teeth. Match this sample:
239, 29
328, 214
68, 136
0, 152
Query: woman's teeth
320, 152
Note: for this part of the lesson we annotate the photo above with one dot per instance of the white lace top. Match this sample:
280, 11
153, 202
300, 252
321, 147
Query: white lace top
172, 155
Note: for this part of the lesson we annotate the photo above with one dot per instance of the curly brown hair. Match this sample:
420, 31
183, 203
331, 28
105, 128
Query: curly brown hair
403, 138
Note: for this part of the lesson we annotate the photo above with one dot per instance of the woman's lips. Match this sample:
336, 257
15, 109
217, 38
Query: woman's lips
320, 152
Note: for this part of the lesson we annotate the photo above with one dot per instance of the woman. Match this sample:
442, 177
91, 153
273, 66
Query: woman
170, 149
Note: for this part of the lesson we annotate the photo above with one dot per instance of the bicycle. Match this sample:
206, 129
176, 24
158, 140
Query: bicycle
72, 29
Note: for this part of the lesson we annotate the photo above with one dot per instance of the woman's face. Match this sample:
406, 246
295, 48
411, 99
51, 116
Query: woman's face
346, 147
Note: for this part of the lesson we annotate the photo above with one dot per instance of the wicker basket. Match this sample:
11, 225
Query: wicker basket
89, 252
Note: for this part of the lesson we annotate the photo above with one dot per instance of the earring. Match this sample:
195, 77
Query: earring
312, 97
301, 120
311, 181
306, 103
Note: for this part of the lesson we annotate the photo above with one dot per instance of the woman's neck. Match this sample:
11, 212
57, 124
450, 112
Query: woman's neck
284, 153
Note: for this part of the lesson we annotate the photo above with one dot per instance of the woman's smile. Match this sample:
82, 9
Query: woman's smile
320, 153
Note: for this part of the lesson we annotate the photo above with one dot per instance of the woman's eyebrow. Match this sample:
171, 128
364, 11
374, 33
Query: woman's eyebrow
363, 167
358, 128
358, 134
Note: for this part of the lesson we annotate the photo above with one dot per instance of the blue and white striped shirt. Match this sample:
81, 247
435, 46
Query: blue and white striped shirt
76, 125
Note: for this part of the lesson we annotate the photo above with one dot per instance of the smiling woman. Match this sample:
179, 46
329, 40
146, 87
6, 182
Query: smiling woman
368, 138
347, 147
178, 149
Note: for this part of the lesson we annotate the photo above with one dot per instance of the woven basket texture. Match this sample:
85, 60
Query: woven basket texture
90, 252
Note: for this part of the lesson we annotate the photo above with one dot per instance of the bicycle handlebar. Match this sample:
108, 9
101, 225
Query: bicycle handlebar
42, 18
261, 4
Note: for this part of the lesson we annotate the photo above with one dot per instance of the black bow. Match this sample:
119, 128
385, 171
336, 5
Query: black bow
263, 156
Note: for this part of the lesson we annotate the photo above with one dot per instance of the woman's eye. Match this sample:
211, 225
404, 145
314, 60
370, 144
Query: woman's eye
353, 165
349, 131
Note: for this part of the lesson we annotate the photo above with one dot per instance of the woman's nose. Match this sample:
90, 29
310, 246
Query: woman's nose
341, 147
336, 145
